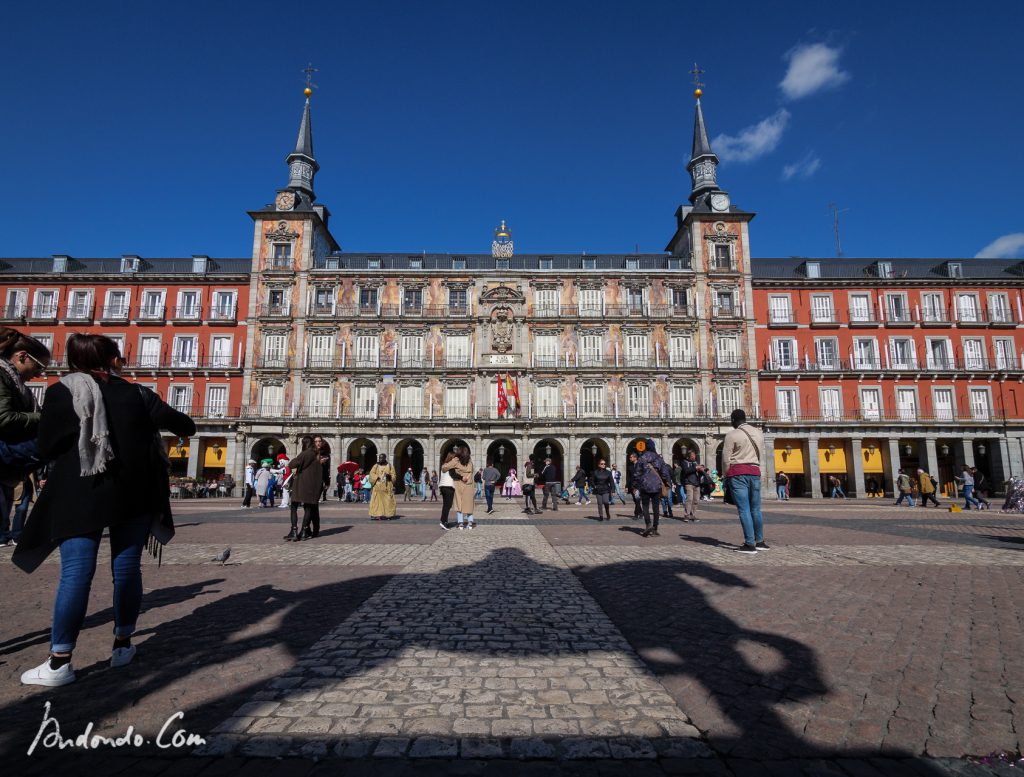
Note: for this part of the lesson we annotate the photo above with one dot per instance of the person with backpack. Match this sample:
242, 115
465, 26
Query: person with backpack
652, 478
927, 486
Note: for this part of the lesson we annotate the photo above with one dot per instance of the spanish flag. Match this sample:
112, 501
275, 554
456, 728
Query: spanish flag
512, 393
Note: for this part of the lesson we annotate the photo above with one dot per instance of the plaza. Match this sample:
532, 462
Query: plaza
868, 640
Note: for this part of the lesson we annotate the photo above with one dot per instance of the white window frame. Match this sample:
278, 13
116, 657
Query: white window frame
948, 359
590, 302
18, 307
638, 353
973, 310
871, 413
181, 357
979, 413
271, 406
45, 309
546, 356
545, 303
321, 351
318, 401
457, 351
910, 363
638, 400
975, 360
681, 350
80, 309
275, 350
592, 398
903, 411
364, 400
725, 358
823, 309
999, 310
873, 362
179, 396
857, 316
548, 402
784, 353
1007, 359
834, 360
117, 312
191, 314
681, 402
893, 315
155, 312
729, 398
780, 309
220, 312
787, 403
149, 359
933, 307
367, 351
830, 413
456, 401
410, 401
944, 414
591, 350
412, 351
214, 407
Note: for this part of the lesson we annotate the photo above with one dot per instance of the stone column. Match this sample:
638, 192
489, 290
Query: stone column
856, 454
237, 453
572, 458
931, 458
966, 452
1002, 469
768, 470
194, 445
812, 466
894, 464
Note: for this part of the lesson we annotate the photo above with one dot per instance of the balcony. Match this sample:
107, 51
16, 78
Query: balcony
1001, 317
114, 314
730, 363
902, 318
275, 310
727, 312
323, 362
13, 313
80, 312
187, 314
321, 310
824, 318
936, 317
150, 314
44, 312
863, 318
222, 314
682, 311
273, 362
889, 415
181, 362
781, 319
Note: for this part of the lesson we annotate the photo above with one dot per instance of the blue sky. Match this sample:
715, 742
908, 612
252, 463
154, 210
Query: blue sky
151, 128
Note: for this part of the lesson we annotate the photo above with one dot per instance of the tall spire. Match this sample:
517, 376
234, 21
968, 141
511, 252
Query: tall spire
301, 164
703, 162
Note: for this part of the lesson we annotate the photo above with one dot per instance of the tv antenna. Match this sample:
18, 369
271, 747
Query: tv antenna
836, 210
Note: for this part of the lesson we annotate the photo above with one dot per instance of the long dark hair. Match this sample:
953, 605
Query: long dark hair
12, 341
91, 353
307, 441
463, 456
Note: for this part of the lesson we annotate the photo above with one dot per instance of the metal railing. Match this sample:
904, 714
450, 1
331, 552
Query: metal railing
154, 313
223, 313
187, 313
282, 310
13, 312
114, 313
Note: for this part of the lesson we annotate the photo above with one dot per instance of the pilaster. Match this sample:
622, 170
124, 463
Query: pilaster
857, 486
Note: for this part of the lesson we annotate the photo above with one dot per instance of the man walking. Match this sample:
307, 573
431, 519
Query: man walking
981, 487
741, 457
617, 479
967, 479
407, 481
530, 487
903, 486
490, 476
581, 481
690, 472
550, 477
926, 485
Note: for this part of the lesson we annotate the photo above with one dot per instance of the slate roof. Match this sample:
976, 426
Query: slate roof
147, 266
922, 268
519, 262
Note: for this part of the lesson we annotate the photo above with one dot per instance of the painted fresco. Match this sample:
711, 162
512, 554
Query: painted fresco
660, 396
436, 294
614, 336
388, 346
567, 392
385, 398
660, 337
434, 391
347, 292
657, 295
433, 343
344, 390
616, 388
613, 292
568, 343
567, 294
391, 294
345, 338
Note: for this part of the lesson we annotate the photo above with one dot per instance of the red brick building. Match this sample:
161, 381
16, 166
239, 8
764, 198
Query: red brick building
869, 365
181, 325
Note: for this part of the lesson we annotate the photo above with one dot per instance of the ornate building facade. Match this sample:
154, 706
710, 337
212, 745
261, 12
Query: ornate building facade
856, 368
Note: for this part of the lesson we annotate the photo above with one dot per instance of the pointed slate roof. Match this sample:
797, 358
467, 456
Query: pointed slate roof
701, 146
304, 144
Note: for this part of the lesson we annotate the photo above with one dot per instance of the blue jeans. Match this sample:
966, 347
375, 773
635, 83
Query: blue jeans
479, 490
780, 492
620, 493
489, 493
746, 492
969, 499
666, 506
905, 495
681, 490
77, 566
837, 492
459, 517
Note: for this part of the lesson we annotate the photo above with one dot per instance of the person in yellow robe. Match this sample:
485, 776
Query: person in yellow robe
382, 497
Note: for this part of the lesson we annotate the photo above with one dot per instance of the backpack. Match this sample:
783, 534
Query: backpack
935, 483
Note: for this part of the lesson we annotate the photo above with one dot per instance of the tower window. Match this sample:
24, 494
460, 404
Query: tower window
282, 254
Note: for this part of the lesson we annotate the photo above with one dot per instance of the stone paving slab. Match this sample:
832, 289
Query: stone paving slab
484, 634
283, 554
797, 555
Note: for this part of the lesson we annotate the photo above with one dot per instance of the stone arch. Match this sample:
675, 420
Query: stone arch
365, 459
408, 453
503, 454
267, 448
556, 454
588, 458
682, 446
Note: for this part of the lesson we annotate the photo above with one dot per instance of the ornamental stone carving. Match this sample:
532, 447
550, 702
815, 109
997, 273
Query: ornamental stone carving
502, 328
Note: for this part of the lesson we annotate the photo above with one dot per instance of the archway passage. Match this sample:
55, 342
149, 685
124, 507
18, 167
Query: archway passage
503, 456
549, 448
408, 455
681, 449
591, 452
363, 452
447, 447
267, 448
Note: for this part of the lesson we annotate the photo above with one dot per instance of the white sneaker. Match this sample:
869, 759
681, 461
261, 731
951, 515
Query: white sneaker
122, 656
43, 675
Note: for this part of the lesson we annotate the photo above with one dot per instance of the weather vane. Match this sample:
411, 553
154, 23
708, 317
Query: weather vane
697, 83
309, 70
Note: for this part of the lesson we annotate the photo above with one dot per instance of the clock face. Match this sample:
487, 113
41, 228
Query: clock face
285, 201
719, 202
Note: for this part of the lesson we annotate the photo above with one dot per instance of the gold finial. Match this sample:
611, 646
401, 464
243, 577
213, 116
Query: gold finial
697, 83
309, 70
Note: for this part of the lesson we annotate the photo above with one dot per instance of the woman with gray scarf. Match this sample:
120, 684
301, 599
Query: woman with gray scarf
108, 473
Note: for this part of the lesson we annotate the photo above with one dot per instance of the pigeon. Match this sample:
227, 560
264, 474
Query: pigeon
223, 556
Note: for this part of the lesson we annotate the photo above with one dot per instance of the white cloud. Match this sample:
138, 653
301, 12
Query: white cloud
803, 168
1006, 247
753, 141
812, 67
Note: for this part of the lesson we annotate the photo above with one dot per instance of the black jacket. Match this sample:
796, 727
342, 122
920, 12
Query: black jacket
580, 479
691, 477
134, 486
550, 474
602, 481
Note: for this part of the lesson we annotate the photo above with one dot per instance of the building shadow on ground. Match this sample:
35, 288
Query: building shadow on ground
669, 621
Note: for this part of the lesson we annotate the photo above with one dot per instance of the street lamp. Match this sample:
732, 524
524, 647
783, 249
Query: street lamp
789, 450
944, 449
270, 449
871, 449
593, 450
547, 449
981, 448
501, 451
832, 450
362, 451
408, 451
907, 449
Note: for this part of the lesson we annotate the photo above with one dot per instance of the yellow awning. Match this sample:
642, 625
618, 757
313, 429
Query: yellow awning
872, 461
174, 452
215, 457
791, 462
828, 462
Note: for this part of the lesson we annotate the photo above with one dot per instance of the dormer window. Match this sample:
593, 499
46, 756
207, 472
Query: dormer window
129, 264
416, 263
546, 263
955, 270
501, 264
589, 263
885, 270
373, 263
458, 263
813, 269
632, 263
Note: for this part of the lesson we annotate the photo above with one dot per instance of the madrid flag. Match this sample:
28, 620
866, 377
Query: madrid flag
502, 398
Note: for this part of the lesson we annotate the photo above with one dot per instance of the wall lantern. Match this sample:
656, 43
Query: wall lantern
593, 450
832, 450
408, 451
501, 451
981, 448
789, 450
362, 451
547, 449
907, 449
944, 449
872, 449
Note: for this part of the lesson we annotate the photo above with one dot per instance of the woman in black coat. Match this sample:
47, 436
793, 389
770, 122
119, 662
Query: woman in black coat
113, 475
306, 486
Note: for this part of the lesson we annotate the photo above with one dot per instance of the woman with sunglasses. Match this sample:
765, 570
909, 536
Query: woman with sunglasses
22, 358
603, 485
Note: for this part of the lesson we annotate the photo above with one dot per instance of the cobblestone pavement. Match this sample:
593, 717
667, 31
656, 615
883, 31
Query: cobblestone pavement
869, 640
